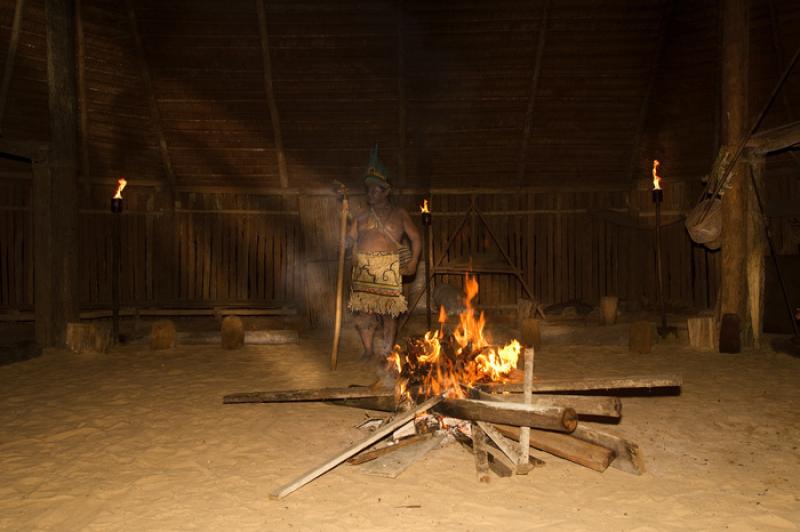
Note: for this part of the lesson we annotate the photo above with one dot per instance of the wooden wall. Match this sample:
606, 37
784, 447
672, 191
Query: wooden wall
269, 251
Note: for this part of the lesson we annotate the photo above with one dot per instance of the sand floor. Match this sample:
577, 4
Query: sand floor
140, 440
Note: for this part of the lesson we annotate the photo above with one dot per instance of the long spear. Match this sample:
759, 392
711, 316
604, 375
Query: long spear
337, 327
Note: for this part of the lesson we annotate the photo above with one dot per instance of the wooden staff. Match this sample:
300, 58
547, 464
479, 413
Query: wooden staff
337, 327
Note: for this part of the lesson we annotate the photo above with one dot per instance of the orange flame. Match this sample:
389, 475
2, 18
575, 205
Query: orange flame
476, 359
121, 182
656, 177
424, 207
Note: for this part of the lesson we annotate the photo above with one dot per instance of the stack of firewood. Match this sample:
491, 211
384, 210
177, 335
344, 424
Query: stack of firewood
503, 421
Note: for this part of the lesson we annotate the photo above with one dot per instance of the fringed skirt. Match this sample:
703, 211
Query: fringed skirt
377, 286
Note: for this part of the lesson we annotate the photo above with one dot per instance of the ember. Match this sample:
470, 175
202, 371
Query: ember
440, 362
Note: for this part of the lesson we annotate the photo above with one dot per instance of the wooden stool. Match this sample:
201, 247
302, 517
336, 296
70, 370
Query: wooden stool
641, 337
701, 332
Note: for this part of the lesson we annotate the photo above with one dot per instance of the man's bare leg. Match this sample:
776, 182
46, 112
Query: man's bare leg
365, 325
389, 333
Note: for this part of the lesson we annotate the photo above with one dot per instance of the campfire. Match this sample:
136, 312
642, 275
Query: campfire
450, 363
454, 384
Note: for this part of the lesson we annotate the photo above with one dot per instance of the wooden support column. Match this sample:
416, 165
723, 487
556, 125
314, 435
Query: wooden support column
11, 55
43, 300
401, 96
58, 203
735, 38
537, 69
274, 116
756, 248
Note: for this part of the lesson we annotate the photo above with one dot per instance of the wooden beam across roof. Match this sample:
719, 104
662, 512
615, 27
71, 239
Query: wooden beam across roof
155, 114
274, 116
537, 69
775, 139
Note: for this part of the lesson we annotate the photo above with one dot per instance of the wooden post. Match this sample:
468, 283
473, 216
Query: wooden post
274, 116
62, 266
527, 391
44, 324
735, 29
756, 249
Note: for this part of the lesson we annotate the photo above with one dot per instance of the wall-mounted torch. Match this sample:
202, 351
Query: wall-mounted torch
116, 242
426, 222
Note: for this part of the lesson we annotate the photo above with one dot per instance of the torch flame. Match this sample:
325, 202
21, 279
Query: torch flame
656, 177
121, 182
424, 207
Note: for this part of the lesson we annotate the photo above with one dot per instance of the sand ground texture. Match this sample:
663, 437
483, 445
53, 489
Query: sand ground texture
140, 440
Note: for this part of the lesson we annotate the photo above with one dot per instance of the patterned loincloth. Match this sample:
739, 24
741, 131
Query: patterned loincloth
377, 286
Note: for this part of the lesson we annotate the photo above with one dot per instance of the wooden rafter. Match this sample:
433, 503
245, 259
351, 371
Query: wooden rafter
10, 57
780, 57
775, 139
274, 117
155, 114
83, 102
644, 105
537, 69
401, 96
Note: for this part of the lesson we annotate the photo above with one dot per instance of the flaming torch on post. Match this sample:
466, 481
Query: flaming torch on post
116, 241
426, 221
658, 197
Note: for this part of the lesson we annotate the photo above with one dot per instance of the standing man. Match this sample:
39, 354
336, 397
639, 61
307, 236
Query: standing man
380, 261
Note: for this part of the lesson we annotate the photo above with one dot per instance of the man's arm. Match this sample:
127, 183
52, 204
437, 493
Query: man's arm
352, 232
415, 237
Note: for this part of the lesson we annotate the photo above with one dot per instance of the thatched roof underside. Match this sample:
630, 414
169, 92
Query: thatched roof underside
461, 93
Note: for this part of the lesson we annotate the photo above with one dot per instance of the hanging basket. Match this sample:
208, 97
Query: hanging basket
706, 230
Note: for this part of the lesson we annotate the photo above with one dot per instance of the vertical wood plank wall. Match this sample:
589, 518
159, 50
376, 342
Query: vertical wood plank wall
239, 248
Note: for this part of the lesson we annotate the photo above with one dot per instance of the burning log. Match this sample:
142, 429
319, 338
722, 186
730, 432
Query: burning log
520, 415
375, 437
589, 384
296, 396
565, 446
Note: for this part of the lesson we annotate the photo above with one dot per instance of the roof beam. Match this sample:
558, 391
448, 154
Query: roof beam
775, 139
537, 69
274, 117
644, 106
401, 96
155, 114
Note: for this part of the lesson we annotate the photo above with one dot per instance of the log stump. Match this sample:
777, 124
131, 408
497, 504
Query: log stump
701, 332
162, 335
730, 334
89, 337
608, 306
531, 333
232, 332
641, 337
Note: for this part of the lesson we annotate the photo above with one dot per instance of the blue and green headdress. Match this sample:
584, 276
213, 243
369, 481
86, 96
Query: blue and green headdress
376, 171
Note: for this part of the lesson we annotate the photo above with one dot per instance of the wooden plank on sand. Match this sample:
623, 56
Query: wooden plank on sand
378, 435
